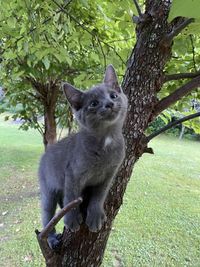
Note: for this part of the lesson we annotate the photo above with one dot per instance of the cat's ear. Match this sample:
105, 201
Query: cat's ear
73, 95
110, 78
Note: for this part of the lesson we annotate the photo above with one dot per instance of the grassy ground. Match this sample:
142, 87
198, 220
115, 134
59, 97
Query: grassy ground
158, 224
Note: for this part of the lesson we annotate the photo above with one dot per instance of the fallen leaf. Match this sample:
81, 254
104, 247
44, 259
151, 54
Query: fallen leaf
28, 258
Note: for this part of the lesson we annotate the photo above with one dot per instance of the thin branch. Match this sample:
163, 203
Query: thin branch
73, 18
111, 47
138, 8
178, 76
176, 95
87, 30
39, 88
103, 54
178, 28
193, 52
52, 223
172, 124
121, 40
148, 150
39, 128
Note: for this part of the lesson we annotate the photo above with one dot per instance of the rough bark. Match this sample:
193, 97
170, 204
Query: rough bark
142, 80
49, 136
49, 102
47, 94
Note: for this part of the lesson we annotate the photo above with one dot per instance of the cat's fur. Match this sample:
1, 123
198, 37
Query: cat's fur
87, 159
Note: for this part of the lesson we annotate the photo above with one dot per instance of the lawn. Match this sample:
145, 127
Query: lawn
158, 224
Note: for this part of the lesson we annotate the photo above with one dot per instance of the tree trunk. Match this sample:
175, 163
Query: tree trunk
142, 80
50, 133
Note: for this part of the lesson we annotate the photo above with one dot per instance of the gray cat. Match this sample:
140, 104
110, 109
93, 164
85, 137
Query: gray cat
87, 159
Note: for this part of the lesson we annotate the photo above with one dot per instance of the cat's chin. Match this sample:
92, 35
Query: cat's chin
110, 120
108, 116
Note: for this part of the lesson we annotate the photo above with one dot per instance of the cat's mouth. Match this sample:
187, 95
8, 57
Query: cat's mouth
110, 114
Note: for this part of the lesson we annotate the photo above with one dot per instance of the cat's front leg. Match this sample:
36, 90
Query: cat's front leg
95, 216
73, 218
95, 212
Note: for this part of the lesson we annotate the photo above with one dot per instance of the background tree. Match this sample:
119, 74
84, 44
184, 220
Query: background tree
44, 43
150, 87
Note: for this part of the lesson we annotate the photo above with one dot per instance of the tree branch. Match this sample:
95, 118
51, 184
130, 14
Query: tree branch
103, 54
178, 76
172, 124
52, 223
176, 95
178, 28
120, 40
138, 8
39, 128
180, 24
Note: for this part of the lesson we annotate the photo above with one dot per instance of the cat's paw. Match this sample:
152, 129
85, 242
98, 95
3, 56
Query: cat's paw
54, 241
72, 220
95, 220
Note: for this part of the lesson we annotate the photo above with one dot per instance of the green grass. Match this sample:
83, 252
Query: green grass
158, 224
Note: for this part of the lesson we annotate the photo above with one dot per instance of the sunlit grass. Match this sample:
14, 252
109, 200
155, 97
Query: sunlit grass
159, 222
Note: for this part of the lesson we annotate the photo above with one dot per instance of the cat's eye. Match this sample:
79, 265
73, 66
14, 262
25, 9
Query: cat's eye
113, 95
94, 103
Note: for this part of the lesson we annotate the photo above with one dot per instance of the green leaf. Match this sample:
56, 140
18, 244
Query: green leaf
46, 62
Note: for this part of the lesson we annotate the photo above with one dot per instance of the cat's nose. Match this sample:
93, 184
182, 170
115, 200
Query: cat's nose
109, 105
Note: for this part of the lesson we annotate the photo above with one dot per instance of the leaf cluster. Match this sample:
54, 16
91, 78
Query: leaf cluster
45, 42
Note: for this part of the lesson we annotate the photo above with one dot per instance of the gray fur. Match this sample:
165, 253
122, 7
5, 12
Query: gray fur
89, 158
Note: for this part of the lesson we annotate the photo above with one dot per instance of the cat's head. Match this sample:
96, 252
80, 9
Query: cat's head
102, 106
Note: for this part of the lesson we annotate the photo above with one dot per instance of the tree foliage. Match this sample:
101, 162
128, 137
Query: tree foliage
44, 43
185, 59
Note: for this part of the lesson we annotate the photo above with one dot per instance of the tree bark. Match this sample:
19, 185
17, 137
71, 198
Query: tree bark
50, 133
48, 95
142, 80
